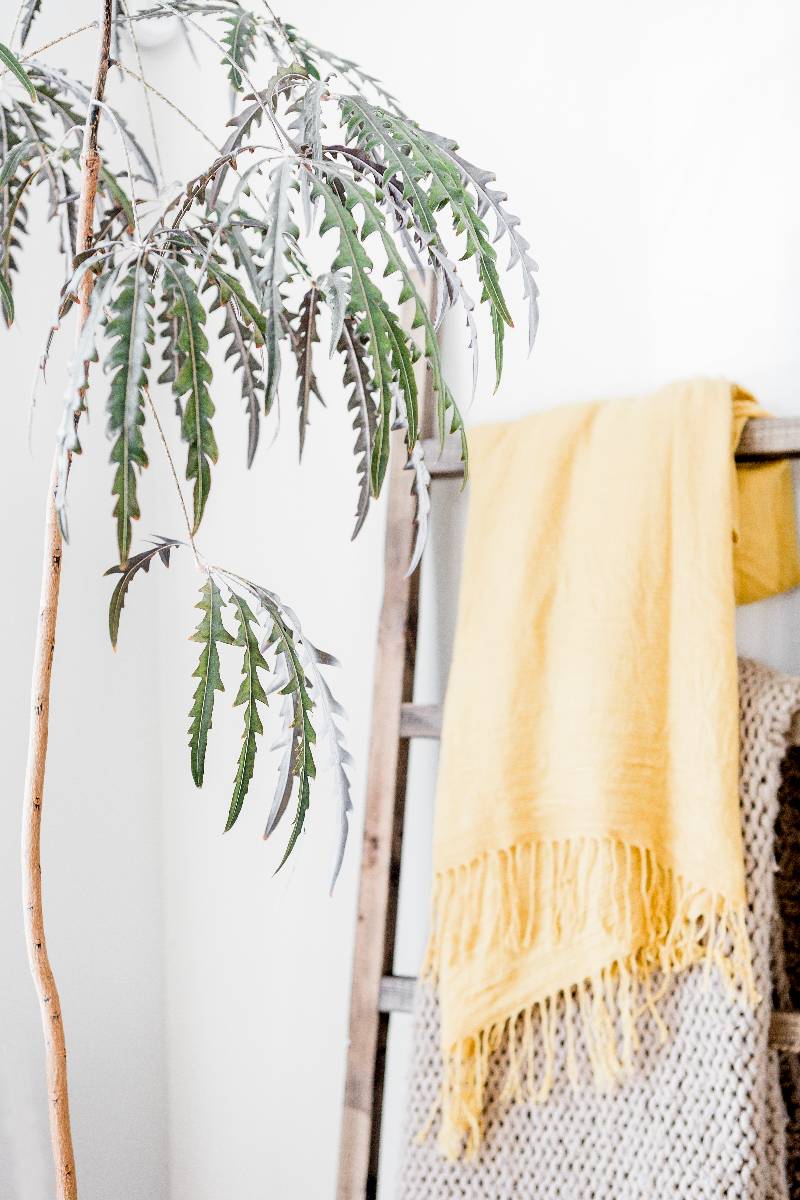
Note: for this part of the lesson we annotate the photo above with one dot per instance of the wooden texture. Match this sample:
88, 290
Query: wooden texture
66, 1185
762, 440
377, 992
421, 721
383, 833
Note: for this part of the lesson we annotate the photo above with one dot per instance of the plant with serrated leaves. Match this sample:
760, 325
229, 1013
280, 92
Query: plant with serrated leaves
314, 230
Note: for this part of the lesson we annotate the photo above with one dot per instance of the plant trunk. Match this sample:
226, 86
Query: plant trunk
33, 916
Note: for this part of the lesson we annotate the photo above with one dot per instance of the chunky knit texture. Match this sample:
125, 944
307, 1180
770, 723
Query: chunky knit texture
700, 1116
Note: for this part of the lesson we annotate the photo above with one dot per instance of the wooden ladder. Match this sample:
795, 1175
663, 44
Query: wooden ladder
376, 991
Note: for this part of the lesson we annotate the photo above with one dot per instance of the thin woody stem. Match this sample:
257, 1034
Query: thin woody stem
176, 480
33, 913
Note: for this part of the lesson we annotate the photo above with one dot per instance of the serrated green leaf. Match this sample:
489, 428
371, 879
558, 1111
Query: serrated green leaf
13, 159
139, 562
13, 64
282, 639
7, 300
274, 273
131, 327
190, 385
210, 632
303, 345
361, 405
367, 305
239, 40
245, 362
448, 414
251, 693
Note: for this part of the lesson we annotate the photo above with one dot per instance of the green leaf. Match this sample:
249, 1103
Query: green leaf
251, 693
239, 41
361, 405
131, 327
369, 127
306, 336
11, 161
13, 64
367, 304
252, 382
190, 385
139, 562
414, 155
210, 632
302, 765
448, 413
7, 300
84, 352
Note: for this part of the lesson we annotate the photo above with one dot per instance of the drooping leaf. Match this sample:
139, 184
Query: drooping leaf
239, 40
281, 639
12, 160
230, 290
274, 272
333, 753
67, 441
30, 10
136, 563
362, 406
370, 128
240, 350
12, 63
251, 693
190, 385
448, 414
13, 211
7, 300
368, 306
506, 225
334, 287
307, 128
307, 335
131, 327
210, 632
446, 189
420, 486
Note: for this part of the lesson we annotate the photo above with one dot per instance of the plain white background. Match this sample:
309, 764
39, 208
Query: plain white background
650, 152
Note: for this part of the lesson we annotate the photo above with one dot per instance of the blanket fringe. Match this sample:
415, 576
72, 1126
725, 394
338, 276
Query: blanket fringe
545, 894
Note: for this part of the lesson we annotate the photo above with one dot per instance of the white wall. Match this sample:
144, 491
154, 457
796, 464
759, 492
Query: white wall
649, 151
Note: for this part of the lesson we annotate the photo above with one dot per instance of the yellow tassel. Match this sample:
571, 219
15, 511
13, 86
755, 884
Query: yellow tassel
541, 893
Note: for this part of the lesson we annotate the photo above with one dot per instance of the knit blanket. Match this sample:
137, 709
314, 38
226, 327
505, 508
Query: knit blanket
702, 1116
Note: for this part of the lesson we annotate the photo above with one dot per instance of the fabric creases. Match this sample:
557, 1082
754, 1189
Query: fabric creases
702, 1115
587, 842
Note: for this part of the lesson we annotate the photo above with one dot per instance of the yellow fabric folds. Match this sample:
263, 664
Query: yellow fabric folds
587, 841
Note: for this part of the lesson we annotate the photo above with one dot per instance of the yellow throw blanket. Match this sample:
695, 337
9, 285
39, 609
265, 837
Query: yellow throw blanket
587, 842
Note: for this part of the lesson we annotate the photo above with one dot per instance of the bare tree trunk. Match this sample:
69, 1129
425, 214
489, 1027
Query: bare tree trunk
44, 981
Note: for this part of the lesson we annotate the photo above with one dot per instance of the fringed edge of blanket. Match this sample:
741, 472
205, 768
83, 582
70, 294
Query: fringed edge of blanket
496, 900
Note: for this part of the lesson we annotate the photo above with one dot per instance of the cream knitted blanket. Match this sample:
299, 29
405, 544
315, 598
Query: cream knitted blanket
701, 1114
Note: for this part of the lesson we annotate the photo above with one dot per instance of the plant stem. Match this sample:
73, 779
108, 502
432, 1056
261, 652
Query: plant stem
33, 913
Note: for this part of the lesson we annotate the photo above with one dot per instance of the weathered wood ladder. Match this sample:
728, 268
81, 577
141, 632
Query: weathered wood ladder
376, 991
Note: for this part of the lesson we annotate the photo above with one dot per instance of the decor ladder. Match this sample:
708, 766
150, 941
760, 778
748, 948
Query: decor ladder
376, 991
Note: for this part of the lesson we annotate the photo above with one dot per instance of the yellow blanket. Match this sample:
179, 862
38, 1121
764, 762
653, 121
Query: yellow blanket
587, 842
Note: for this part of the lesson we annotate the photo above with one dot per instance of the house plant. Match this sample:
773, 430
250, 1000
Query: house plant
314, 144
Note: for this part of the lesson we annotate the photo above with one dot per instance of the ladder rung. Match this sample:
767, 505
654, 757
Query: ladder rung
763, 438
421, 721
397, 996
